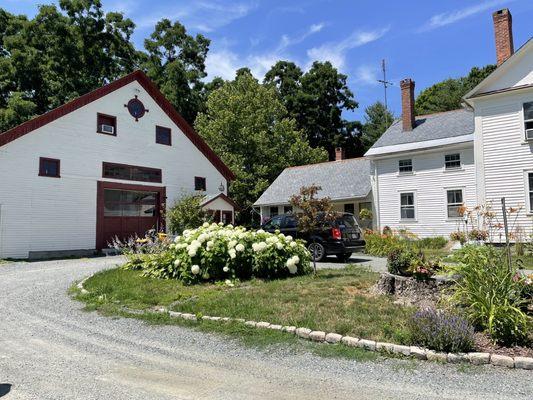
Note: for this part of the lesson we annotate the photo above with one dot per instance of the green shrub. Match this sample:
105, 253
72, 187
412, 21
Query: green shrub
215, 252
402, 261
186, 213
432, 242
441, 331
490, 293
380, 245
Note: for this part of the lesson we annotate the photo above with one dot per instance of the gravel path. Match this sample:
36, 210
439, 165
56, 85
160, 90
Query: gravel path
51, 349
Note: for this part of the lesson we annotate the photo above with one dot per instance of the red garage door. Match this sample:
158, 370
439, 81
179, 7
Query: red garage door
127, 210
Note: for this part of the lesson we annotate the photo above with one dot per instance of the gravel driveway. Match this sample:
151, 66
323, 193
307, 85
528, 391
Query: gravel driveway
51, 349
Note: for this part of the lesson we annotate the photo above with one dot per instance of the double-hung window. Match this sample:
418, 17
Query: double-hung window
452, 161
407, 205
528, 120
454, 202
405, 166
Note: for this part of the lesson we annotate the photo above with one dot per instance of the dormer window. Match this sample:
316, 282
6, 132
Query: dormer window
528, 120
106, 124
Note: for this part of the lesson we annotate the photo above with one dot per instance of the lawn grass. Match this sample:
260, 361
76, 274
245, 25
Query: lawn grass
333, 301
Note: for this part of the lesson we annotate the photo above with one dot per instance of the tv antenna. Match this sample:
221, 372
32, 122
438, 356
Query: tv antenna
384, 81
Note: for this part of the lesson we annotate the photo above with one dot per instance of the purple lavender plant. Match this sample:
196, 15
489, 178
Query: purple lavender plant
441, 331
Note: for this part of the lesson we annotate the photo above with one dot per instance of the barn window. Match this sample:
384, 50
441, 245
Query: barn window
49, 167
163, 135
131, 172
199, 183
106, 124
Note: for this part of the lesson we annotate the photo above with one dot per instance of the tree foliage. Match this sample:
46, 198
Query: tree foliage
447, 95
186, 213
248, 127
377, 120
316, 100
68, 51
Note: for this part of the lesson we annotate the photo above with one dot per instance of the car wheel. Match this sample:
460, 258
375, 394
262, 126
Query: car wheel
344, 257
318, 249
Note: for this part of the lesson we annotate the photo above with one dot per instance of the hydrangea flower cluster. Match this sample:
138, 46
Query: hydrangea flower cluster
217, 252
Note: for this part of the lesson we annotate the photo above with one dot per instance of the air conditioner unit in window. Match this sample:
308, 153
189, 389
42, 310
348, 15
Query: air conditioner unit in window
107, 128
529, 134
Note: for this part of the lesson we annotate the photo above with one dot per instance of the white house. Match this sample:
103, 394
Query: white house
425, 167
345, 181
107, 163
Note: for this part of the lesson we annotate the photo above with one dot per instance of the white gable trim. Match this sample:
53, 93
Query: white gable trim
397, 148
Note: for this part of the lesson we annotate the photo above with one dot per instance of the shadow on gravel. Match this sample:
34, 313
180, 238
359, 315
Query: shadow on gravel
5, 388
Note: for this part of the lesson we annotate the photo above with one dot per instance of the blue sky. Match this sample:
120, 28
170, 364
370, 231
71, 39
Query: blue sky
425, 40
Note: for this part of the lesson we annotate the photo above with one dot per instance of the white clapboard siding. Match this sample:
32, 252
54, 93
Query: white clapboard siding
429, 182
43, 214
506, 156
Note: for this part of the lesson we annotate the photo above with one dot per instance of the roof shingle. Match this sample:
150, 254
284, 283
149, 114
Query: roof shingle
339, 180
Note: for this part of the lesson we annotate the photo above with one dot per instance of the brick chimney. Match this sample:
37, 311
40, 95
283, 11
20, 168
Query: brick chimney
503, 32
408, 104
339, 154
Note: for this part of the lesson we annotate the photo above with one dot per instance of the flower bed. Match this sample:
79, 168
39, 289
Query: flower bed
215, 252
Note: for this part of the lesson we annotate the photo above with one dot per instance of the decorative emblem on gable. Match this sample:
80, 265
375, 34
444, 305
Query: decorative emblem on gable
136, 108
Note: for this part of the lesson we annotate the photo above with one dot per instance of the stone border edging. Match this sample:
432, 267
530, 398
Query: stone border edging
419, 353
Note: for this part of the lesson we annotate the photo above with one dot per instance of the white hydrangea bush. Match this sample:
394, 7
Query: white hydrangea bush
217, 252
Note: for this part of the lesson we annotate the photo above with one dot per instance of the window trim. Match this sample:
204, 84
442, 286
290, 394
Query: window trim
114, 118
413, 192
41, 167
524, 121
204, 183
527, 190
169, 135
104, 164
460, 167
446, 190
400, 172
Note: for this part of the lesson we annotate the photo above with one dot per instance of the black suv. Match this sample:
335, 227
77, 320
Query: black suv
341, 237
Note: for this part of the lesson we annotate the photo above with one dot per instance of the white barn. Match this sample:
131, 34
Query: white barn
107, 163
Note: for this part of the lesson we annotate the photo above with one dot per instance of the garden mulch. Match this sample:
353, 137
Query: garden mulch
483, 343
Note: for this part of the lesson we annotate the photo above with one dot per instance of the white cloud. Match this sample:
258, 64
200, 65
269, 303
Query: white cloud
367, 75
447, 18
203, 15
335, 52
223, 62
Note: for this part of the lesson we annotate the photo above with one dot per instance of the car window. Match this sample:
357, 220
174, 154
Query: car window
274, 223
347, 221
290, 222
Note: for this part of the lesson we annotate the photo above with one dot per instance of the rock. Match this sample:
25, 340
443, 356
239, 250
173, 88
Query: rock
456, 358
216, 318
349, 341
317, 336
523, 362
239, 320
418, 353
399, 349
175, 314
333, 338
275, 327
303, 332
250, 323
225, 319
381, 346
367, 344
479, 358
501, 361
436, 356
190, 317
289, 329
262, 325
